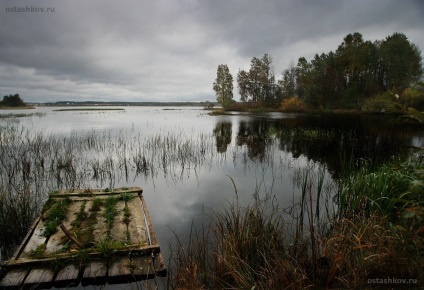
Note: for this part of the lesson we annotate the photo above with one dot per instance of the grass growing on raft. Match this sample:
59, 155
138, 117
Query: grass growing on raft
83, 225
110, 213
381, 235
54, 216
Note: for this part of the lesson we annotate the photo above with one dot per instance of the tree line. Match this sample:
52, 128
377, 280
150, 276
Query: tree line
344, 78
12, 101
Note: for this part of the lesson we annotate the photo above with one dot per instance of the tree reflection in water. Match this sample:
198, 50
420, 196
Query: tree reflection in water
326, 140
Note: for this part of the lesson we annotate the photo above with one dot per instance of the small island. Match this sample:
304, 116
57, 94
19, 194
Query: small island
14, 102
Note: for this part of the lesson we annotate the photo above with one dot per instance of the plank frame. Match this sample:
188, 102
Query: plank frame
135, 262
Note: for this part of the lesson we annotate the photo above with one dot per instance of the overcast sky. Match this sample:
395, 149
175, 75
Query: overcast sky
159, 50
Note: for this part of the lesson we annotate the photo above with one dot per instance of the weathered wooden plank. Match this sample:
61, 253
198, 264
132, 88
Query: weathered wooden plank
142, 267
100, 228
140, 260
35, 240
67, 277
24, 242
96, 192
14, 278
150, 231
137, 226
120, 271
131, 249
159, 265
119, 229
40, 277
95, 273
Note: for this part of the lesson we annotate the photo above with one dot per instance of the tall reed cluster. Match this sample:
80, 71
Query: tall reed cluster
32, 164
367, 227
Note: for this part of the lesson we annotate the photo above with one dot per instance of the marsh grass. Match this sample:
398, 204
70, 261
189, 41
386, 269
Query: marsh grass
32, 164
256, 246
16, 214
262, 245
387, 189
242, 248
21, 115
375, 231
89, 109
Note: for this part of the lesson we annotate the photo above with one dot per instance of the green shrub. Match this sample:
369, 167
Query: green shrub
413, 97
236, 106
382, 103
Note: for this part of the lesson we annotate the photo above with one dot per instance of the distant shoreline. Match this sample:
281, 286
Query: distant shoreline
89, 109
27, 107
116, 103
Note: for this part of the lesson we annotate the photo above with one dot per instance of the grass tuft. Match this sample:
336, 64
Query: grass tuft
376, 232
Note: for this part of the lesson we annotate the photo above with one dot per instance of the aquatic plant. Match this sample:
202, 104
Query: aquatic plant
386, 189
54, 216
252, 247
110, 213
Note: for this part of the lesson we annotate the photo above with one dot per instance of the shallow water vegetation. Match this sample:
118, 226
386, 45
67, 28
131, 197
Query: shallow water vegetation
16, 214
376, 232
89, 109
21, 115
242, 248
224, 253
32, 164
386, 190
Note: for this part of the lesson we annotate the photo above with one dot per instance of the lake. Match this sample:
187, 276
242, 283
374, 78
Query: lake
190, 163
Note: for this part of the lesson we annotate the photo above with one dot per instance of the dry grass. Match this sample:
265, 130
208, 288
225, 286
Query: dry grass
252, 248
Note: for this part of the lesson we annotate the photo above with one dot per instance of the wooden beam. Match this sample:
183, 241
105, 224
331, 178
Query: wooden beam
69, 235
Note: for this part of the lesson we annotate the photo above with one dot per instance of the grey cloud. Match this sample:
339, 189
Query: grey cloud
169, 50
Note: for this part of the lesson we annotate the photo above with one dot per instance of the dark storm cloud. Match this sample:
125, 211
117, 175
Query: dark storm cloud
262, 26
169, 50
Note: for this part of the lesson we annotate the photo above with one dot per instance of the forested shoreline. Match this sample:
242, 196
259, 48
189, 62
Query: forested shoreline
372, 76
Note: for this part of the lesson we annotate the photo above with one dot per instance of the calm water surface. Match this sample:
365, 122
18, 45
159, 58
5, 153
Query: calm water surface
263, 154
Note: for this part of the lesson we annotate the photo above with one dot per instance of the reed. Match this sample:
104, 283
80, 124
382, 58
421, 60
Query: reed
32, 164
386, 189
373, 232
316, 242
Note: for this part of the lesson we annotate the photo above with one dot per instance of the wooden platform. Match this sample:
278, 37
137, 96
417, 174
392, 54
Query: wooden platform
91, 237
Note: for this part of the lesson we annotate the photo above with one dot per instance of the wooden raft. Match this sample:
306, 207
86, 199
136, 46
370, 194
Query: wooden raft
85, 249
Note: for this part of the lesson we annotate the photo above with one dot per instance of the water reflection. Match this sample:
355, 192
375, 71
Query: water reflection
327, 139
182, 158
255, 135
223, 134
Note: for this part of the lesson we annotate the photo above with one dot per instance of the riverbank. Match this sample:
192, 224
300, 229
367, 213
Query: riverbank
407, 116
374, 239
27, 107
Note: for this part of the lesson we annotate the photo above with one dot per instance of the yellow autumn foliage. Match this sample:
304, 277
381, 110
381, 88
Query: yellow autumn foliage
293, 104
